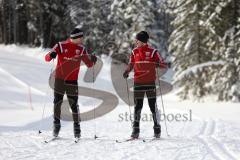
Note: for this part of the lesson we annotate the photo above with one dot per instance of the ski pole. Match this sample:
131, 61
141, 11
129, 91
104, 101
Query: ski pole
129, 102
95, 125
94, 112
162, 103
44, 105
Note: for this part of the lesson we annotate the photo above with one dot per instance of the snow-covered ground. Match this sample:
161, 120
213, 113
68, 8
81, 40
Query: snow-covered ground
213, 133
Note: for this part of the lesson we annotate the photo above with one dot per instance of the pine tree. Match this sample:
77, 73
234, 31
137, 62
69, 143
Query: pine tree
15, 21
188, 44
91, 16
160, 28
33, 23
54, 21
20, 22
228, 79
130, 17
216, 24
1, 22
7, 20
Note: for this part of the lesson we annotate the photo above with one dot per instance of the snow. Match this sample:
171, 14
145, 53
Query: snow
195, 68
188, 44
235, 89
31, 27
218, 9
213, 133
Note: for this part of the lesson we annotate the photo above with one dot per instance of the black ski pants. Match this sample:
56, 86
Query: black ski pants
139, 92
71, 89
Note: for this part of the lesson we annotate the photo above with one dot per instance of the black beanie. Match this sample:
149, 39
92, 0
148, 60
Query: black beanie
142, 36
76, 33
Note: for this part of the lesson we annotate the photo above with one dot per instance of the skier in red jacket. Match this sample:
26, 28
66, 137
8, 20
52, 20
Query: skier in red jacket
70, 53
144, 60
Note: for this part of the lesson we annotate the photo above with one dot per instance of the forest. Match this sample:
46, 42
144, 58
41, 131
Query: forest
200, 37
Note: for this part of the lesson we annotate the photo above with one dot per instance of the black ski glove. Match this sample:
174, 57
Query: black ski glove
93, 58
169, 64
53, 55
125, 74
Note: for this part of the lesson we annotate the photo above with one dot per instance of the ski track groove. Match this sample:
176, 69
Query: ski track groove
214, 148
222, 148
203, 128
217, 149
209, 150
200, 138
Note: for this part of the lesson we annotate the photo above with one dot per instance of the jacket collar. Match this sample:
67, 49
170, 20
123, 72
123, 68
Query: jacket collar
144, 46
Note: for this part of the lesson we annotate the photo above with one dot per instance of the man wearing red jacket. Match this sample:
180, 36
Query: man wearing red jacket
70, 54
144, 60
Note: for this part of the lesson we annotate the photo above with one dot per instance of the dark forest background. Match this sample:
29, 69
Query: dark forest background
200, 37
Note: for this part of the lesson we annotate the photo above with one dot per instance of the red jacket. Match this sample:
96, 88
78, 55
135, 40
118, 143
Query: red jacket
69, 56
144, 61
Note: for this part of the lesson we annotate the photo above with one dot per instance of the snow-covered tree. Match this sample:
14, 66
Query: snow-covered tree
91, 16
55, 21
160, 28
205, 45
228, 77
1, 22
130, 17
206, 40
188, 44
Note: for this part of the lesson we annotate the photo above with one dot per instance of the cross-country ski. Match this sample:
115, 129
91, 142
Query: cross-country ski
127, 140
51, 139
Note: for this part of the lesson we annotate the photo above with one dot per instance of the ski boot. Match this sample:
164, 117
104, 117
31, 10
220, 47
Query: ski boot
77, 130
157, 131
135, 132
56, 129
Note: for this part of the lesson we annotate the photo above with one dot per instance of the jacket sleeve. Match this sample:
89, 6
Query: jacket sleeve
86, 59
55, 49
131, 63
159, 60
